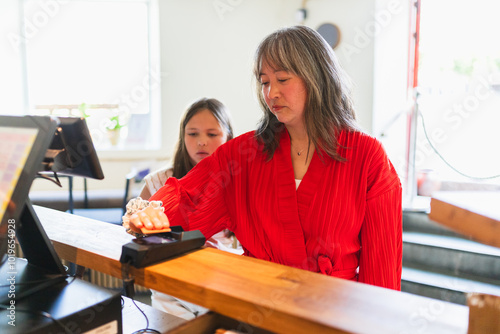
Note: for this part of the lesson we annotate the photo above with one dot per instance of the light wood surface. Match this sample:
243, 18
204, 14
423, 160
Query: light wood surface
473, 214
484, 316
264, 294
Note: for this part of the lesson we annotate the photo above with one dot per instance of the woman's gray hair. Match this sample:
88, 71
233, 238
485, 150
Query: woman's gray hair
329, 108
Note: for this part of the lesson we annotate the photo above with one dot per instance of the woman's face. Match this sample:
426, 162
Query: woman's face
203, 135
285, 95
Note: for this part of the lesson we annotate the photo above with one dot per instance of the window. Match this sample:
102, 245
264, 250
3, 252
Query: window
96, 59
458, 133
457, 110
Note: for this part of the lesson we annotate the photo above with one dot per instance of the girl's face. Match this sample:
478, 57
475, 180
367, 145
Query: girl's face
203, 135
285, 95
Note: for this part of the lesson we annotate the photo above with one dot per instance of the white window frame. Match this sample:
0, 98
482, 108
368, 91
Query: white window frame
154, 78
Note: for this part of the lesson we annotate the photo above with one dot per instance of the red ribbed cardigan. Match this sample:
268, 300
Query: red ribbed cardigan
344, 220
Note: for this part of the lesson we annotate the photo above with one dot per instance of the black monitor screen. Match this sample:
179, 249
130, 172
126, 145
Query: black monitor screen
72, 151
31, 145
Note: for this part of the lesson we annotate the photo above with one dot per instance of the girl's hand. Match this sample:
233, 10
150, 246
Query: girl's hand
149, 220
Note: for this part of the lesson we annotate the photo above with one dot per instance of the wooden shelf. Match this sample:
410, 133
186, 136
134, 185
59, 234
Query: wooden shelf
474, 214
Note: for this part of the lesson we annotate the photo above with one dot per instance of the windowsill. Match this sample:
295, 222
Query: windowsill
468, 186
423, 203
417, 204
132, 155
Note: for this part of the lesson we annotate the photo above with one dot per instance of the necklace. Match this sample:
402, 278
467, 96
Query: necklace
299, 153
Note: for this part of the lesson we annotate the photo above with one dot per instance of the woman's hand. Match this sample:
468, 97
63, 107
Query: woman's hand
149, 220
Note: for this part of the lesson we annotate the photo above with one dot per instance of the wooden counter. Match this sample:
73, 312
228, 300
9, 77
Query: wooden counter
475, 214
264, 294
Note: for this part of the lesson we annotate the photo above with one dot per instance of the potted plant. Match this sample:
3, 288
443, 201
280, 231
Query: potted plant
113, 126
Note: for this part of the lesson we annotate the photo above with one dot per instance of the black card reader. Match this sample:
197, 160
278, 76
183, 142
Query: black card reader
152, 249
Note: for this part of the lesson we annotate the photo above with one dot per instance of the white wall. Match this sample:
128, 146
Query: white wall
207, 48
206, 52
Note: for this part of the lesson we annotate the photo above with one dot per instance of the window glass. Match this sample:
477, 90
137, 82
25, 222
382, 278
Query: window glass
458, 134
93, 59
11, 78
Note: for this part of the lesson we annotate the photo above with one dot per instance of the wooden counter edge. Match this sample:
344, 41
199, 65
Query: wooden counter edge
275, 318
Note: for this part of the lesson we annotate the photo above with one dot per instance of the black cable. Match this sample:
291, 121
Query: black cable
128, 281
147, 329
46, 177
445, 161
42, 314
74, 277
128, 290
38, 281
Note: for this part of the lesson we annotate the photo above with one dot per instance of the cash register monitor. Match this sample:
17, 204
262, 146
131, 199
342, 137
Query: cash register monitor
72, 151
23, 143
31, 145
40, 284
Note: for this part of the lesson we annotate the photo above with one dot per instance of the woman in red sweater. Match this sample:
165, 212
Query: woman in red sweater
307, 189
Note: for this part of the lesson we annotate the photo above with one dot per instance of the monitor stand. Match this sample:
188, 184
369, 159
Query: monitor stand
41, 266
36, 245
